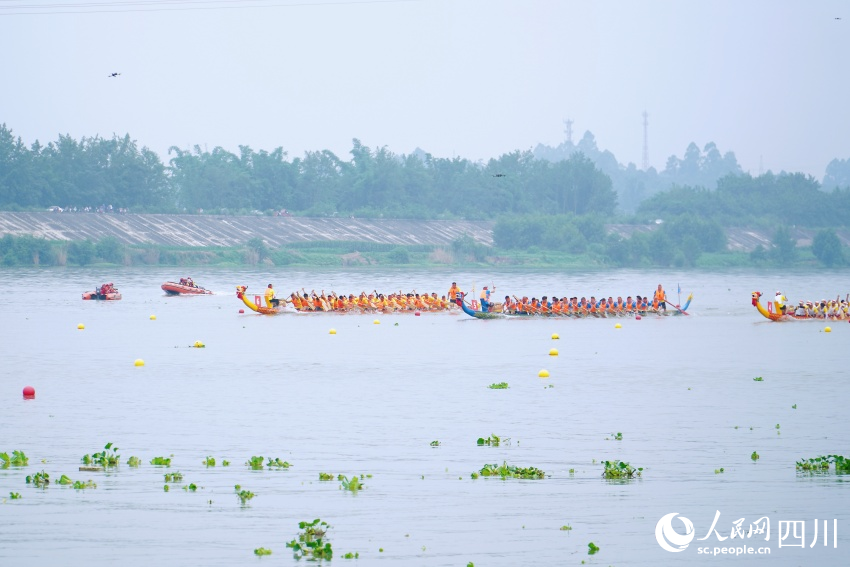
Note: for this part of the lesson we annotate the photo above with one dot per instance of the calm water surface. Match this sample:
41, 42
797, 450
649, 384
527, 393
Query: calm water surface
370, 399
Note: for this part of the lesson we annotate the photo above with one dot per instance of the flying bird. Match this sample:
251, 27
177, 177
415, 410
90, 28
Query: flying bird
113, 74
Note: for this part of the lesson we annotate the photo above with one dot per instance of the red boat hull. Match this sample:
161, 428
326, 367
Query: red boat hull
173, 288
114, 296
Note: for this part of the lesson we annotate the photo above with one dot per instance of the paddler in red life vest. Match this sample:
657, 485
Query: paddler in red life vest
659, 301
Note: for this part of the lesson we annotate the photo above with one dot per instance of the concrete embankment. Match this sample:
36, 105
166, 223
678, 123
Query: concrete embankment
229, 231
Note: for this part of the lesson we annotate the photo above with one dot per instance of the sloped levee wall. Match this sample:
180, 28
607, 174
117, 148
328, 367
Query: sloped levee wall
228, 231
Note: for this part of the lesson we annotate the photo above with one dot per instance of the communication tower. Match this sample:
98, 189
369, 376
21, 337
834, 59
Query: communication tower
568, 130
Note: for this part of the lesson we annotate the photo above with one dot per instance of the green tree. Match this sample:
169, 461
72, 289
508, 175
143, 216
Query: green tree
784, 247
826, 247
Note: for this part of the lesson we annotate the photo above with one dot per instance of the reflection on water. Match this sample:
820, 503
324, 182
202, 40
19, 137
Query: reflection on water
370, 399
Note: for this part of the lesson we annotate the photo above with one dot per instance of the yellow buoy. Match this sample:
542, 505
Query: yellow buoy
81, 326
828, 330
555, 336
553, 352
618, 326
332, 331
377, 322
543, 373
153, 317
139, 362
199, 344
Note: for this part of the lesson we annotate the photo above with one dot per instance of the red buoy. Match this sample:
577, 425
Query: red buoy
29, 393
241, 311
417, 313
637, 317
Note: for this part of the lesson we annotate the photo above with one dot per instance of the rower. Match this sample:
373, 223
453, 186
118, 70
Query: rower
779, 302
270, 299
660, 299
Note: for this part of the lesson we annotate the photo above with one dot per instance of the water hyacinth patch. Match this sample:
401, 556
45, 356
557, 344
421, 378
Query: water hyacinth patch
494, 440
353, 484
619, 470
134, 461
311, 543
592, 548
504, 471
174, 477
262, 551
755, 456
499, 386
15, 495
161, 461
18, 459
210, 462
326, 476
80, 485
39, 479
243, 495
821, 464
758, 379
255, 463
277, 463
106, 458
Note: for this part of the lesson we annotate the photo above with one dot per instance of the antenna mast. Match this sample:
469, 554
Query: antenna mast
568, 130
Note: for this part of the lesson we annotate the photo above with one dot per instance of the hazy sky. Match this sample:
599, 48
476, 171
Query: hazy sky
471, 78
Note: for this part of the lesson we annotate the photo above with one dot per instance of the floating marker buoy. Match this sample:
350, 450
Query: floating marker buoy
417, 313
153, 317
553, 352
332, 331
555, 336
81, 326
241, 311
543, 373
828, 330
198, 344
139, 362
29, 393
376, 322
618, 326
637, 317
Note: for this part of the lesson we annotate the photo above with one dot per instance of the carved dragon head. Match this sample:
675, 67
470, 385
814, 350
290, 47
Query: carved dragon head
240, 291
756, 295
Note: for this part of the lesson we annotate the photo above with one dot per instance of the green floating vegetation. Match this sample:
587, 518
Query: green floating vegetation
499, 386
174, 477
255, 463
80, 485
794, 406
755, 456
493, 440
64, 480
15, 495
310, 542
821, 464
435, 443
210, 462
225, 463
106, 458
350, 555
161, 461
353, 484
592, 548
719, 471
566, 528
509, 471
277, 463
243, 495
165, 488
39, 479
192, 487
18, 459
262, 551
617, 436
326, 476
758, 379
134, 461
619, 470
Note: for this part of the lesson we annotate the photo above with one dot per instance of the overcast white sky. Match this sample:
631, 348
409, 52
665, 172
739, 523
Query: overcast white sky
470, 78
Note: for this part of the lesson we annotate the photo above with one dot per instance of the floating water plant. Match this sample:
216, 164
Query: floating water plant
509, 471
493, 440
18, 459
617, 436
620, 470
243, 495
755, 456
758, 379
821, 464
352, 484
225, 463
106, 458
262, 551
39, 479
592, 548
255, 463
718, 471
15, 495
165, 488
349, 555
794, 406
499, 386
174, 477
326, 476
64, 480
277, 463
210, 462
134, 461
161, 461
311, 543
80, 485
566, 528
435, 443
192, 487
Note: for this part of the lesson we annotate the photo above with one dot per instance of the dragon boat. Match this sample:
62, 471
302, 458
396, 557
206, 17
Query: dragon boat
676, 310
103, 293
770, 311
181, 288
256, 305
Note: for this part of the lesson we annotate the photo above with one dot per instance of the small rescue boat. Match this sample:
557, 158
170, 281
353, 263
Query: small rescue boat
106, 292
185, 287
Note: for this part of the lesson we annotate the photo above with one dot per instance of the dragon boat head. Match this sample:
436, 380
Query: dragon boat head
756, 296
240, 291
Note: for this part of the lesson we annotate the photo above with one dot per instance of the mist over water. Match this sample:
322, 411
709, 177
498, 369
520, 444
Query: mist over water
370, 399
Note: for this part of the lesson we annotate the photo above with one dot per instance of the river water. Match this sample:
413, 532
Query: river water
370, 400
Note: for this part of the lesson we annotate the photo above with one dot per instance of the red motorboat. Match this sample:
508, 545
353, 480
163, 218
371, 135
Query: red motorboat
106, 292
184, 287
